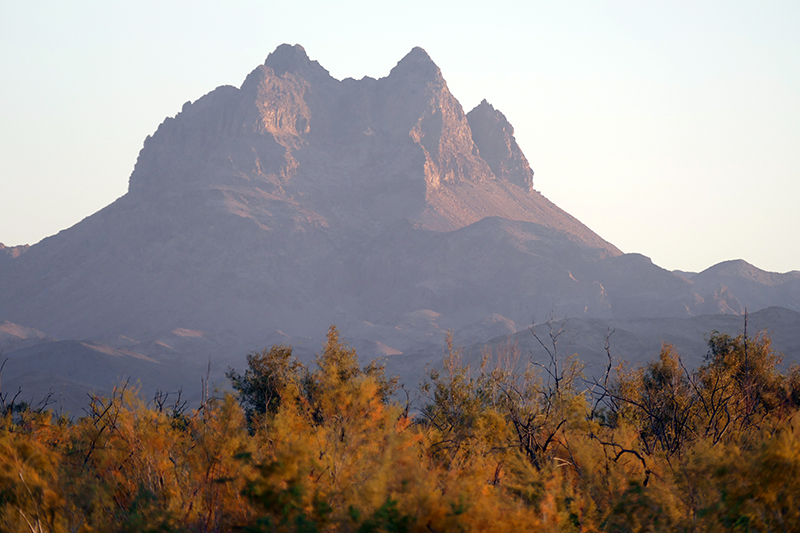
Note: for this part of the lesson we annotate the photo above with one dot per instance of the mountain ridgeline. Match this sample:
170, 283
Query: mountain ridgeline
267, 212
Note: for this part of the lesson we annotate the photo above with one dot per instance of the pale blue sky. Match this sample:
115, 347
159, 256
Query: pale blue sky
672, 130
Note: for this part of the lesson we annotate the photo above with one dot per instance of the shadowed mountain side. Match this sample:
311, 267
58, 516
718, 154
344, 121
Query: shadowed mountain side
176, 261
72, 369
237, 278
515, 269
13, 337
634, 287
7, 256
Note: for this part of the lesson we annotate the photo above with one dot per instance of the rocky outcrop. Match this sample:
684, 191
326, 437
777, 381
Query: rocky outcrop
13, 251
494, 137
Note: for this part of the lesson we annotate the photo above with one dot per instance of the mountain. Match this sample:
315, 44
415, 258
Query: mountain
297, 201
267, 212
753, 288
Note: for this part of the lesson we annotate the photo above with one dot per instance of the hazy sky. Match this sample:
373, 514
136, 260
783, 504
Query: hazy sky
671, 129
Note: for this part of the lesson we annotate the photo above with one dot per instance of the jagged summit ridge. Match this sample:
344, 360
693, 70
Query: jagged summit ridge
294, 59
358, 152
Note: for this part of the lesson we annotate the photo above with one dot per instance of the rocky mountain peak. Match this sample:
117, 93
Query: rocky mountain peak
494, 137
361, 153
294, 60
417, 65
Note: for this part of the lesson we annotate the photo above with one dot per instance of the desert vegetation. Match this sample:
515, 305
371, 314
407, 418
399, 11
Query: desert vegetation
510, 445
